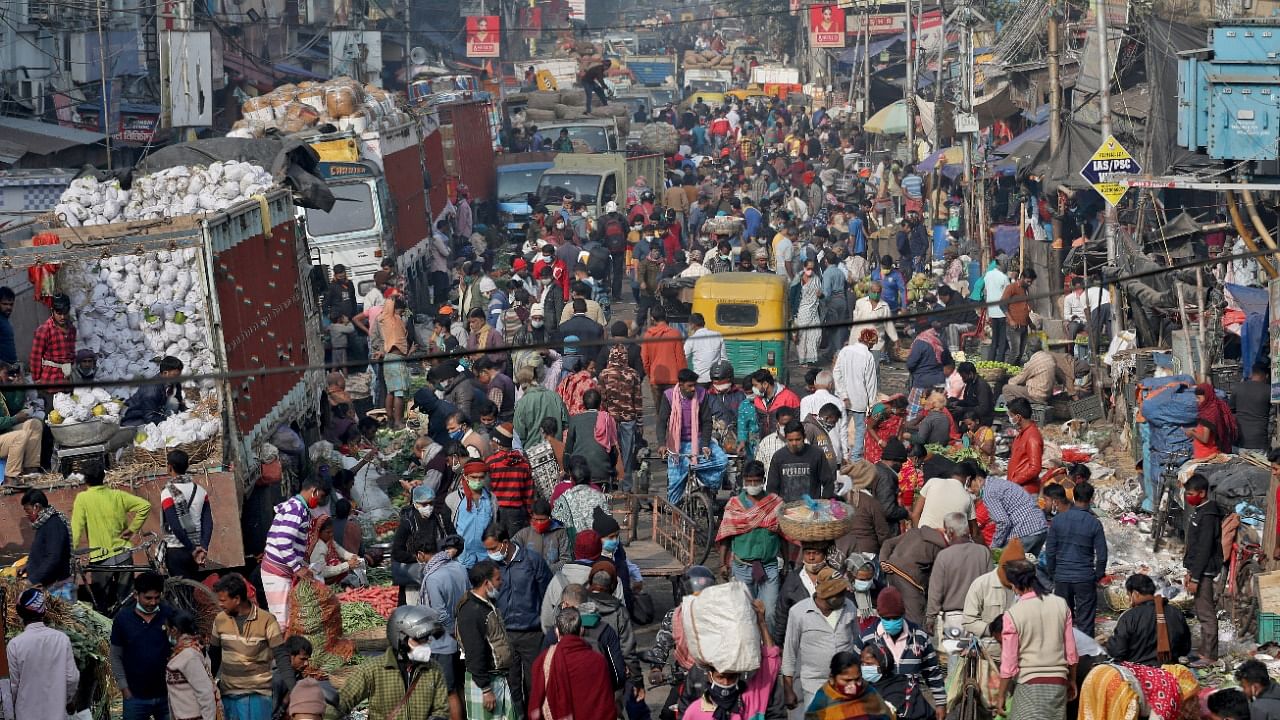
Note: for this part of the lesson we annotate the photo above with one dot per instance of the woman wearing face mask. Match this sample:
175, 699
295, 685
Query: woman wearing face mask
424, 516
901, 693
807, 296
866, 586
749, 539
910, 649
740, 696
191, 688
848, 695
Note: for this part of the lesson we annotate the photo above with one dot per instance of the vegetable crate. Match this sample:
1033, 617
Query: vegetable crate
1268, 627
1087, 409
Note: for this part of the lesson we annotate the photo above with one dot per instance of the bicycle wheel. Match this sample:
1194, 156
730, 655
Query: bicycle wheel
700, 509
1161, 517
195, 598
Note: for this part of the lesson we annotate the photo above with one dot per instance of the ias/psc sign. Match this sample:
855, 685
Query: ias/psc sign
1110, 161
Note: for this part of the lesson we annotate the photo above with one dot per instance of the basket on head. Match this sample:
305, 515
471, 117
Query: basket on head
799, 529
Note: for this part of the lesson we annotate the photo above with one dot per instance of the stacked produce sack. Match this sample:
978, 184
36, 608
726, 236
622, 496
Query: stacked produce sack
660, 137
708, 59
171, 192
341, 101
545, 106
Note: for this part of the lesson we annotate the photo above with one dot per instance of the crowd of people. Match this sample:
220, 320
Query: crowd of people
526, 390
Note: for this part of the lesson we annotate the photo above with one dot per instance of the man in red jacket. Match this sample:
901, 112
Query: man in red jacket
662, 353
1028, 447
769, 396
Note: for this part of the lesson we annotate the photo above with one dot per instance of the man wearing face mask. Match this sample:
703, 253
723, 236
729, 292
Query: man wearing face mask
817, 628
525, 577
406, 682
1203, 561
799, 468
912, 650
749, 539
140, 650
444, 586
425, 517
558, 271
284, 558
684, 429
485, 647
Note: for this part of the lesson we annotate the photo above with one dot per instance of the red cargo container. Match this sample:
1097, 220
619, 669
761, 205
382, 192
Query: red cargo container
461, 151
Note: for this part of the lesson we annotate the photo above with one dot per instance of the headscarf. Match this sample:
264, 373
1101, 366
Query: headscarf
930, 337
1218, 414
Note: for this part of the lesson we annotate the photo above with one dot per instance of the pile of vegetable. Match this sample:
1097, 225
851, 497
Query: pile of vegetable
85, 404
315, 612
360, 616
171, 192
956, 453
991, 364
918, 287
383, 599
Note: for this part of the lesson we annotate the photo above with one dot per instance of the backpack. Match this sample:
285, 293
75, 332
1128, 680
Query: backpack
614, 234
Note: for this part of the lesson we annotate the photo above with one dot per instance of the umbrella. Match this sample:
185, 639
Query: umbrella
890, 120
952, 156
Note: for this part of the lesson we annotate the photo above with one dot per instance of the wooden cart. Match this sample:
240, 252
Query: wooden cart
660, 538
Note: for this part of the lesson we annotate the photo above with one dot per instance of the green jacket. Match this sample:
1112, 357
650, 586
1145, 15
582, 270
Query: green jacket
13, 403
383, 685
538, 402
103, 513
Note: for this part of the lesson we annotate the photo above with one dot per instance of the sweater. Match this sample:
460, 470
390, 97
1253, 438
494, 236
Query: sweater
662, 354
793, 475
49, 561
192, 692
1203, 556
1038, 627
1076, 547
954, 570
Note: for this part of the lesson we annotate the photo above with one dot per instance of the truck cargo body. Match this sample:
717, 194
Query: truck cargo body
708, 80
652, 70
381, 208
458, 145
262, 316
24, 192
599, 133
595, 179
775, 74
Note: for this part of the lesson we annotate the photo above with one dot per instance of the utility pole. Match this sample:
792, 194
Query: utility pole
1104, 106
1055, 88
937, 78
908, 84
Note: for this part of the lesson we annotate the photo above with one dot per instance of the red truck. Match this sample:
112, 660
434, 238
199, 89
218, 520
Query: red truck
461, 145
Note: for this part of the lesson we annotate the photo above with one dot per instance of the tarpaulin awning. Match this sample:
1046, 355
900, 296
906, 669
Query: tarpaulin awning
952, 162
1255, 304
890, 120
1021, 150
853, 55
41, 138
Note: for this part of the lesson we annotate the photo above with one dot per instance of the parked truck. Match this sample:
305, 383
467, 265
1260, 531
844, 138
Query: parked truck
460, 147
381, 211
518, 177
263, 329
712, 80
600, 134
595, 179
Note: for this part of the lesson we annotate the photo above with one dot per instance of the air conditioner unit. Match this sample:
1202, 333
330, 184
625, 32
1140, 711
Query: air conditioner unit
32, 93
38, 11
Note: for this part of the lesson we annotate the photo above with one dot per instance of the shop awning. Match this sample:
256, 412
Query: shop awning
22, 137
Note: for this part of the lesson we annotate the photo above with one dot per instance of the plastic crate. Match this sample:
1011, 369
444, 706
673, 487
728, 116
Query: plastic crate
1268, 627
1040, 413
1143, 367
1087, 409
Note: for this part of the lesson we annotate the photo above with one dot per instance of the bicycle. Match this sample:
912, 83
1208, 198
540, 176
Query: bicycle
179, 593
1164, 500
699, 503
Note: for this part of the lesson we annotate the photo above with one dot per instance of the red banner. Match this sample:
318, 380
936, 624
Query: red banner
826, 26
482, 36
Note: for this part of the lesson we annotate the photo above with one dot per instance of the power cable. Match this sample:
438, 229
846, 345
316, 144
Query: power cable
605, 342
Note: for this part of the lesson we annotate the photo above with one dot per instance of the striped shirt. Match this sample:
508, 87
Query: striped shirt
287, 538
1013, 510
246, 651
510, 479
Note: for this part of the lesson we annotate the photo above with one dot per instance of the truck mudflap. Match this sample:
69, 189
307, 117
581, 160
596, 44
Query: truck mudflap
275, 327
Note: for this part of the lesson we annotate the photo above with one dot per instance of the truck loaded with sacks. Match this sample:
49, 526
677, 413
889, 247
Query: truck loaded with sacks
201, 259
564, 108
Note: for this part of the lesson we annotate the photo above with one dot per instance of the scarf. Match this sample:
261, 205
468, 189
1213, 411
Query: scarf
1159, 688
1164, 650
930, 337
742, 515
725, 700
436, 562
48, 513
832, 703
677, 419
180, 502
606, 430
1218, 414
331, 556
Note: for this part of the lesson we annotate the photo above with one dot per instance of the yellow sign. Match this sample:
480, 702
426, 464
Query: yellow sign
1109, 163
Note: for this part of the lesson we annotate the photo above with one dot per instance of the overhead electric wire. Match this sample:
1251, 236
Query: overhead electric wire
606, 342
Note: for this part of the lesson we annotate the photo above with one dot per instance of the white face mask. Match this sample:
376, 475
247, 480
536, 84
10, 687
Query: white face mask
425, 510
559, 226
420, 654
754, 490
536, 323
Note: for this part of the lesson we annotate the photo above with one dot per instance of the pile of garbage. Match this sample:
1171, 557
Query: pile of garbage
341, 101
171, 192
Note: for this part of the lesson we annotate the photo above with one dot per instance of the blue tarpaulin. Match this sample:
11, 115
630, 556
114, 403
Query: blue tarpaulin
853, 55
1253, 333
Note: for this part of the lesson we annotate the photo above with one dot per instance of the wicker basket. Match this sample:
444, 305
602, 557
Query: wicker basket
822, 531
199, 452
992, 374
371, 640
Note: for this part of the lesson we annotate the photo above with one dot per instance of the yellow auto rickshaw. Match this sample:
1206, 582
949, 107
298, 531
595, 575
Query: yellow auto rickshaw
750, 92
735, 302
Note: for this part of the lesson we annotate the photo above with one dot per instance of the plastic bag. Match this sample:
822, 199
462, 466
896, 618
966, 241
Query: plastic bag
720, 629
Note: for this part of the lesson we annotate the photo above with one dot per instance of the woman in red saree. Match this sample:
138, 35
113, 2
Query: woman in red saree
883, 424
1215, 411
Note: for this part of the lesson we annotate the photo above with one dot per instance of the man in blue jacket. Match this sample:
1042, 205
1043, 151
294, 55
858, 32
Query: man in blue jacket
1076, 553
525, 577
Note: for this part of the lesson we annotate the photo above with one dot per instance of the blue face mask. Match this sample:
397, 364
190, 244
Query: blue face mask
893, 627
871, 673
457, 434
589, 620
610, 545
497, 556
862, 585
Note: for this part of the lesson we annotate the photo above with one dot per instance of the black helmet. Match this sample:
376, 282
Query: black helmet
61, 303
698, 578
647, 196
411, 621
722, 370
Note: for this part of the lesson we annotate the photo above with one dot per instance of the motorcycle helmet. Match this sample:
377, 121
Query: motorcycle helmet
697, 579
411, 622
647, 196
721, 370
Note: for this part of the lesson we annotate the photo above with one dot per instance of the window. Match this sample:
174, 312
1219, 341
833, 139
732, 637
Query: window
353, 211
741, 315
610, 189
